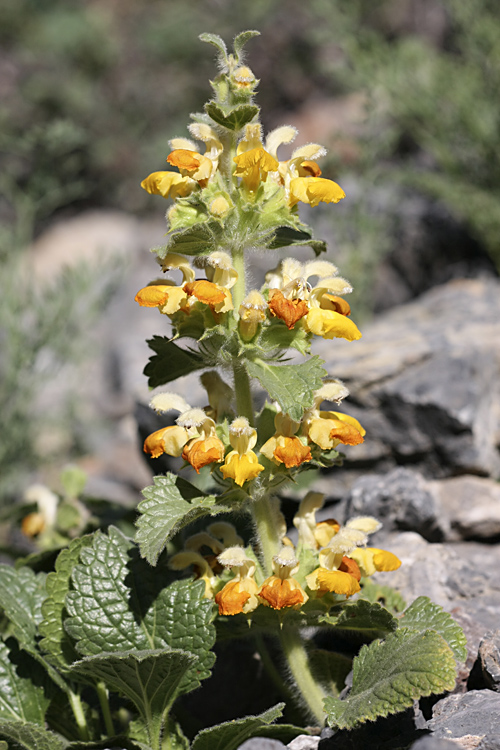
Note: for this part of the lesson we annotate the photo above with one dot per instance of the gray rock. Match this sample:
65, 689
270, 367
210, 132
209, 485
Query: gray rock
474, 715
304, 742
468, 506
425, 382
262, 743
433, 743
489, 656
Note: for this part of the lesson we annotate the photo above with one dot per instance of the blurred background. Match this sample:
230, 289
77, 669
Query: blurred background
403, 93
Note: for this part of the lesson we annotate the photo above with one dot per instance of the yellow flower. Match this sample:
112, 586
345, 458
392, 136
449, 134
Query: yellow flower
253, 167
281, 589
241, 464
191, 164
240, 594
201, 568
291, 298
311, 534
194, 436
167, 297
284, 447
314, 190
252, 313
168, 184
327, 429
371, 560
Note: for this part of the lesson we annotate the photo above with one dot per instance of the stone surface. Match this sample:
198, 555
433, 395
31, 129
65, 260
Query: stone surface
261, 743
489, 657
433, 743
475, 714
424, 381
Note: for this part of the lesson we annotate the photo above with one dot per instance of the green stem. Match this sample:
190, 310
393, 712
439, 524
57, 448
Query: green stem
296, 656
239, 289
267, 529
102, 694
244, 403
78, 713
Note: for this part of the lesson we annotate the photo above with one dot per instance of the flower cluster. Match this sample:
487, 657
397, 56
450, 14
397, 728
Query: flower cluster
340, 552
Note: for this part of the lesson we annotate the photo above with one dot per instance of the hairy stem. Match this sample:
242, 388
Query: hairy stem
267, 531
296, 657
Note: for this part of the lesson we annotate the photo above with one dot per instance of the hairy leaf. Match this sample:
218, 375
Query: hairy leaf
150, 679
292, 386
278, 336
241, 39
330, 668
170, 504
24, 686
216, 40
235, 119
119, 603
200, 239
287, 236
30, 737
389, 675
361, 618
170, 362
56, 641
231, 734
423, 614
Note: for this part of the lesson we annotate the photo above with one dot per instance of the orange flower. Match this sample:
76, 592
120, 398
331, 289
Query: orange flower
201, 452
288, 310
281, 589
240, 594
284, 447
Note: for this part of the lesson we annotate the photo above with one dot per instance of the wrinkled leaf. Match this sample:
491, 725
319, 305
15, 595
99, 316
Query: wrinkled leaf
330, 668
292, 386
30, 737
384, 595
21, 595
231, 734
389, 675
170, 362
200, 239
24, 686
288, 237
423, 614
120, 603
364, 619
150, 679
56, 641
169, 505
278, 336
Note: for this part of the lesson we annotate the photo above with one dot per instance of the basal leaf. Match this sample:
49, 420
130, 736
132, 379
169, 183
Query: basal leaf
169, 505
119, 603
30, 737
21, 595
389, 675
423, 614
170, 362
234, 119
292, 386
56, 641
24, 686
231, 734
363, 619
150, 679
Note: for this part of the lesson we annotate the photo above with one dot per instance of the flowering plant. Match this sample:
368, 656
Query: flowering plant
110, 617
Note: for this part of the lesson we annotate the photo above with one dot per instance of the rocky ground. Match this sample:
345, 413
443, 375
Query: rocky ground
424, 381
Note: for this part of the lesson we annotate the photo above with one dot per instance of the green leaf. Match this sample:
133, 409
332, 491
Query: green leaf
423, 614
30, 737
361, 618
170, 362
384, 595
170, 504
200, 239
55, 640
231, 734
241, 39
117, 743
119, 603
24, 686
285, 236
21, 595
235, 119
389, 675
292, 386
150, 679
278, 336
216, 40
330, 668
